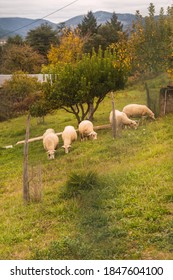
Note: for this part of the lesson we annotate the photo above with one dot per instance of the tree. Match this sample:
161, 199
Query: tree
15, 40
102, 35
87, 82
149, 41
89, 25
69, 48
111, 31
40, 109
41, 39
18, 94
20, 58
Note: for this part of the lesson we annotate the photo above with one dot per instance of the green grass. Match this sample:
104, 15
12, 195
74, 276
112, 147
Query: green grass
106, 199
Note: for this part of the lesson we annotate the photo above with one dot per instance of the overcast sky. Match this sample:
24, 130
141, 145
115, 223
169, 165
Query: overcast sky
41, 8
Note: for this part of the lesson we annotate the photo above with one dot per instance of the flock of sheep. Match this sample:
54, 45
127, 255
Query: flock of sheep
86, 130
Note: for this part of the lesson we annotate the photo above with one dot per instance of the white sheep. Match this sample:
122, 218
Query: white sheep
50, 142
122, 120
86, 130
137, 110
68, 135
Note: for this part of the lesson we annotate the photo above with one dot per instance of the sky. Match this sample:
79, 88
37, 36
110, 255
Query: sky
62, 10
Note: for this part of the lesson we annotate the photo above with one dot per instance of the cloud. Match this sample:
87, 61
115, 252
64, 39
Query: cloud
41, 8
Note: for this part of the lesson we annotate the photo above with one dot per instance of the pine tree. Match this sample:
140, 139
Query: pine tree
89, 25
41, 38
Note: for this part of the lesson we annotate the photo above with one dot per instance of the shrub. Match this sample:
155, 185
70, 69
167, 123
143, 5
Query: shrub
79, 182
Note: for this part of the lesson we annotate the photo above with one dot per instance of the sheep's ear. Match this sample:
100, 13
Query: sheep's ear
63, 146
69, 146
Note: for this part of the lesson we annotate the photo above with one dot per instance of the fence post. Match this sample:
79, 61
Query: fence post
113, 117
148, 95
25, 164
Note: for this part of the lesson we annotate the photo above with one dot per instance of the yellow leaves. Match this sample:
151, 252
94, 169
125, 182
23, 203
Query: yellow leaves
170, 74
123, 57
170, 70
67, 52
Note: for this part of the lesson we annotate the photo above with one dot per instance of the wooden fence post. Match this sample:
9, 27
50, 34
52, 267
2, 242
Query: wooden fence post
113, 117
148, 95
26, 196
165, 102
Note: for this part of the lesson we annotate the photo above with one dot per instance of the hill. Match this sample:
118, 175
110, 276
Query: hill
106, 199
102, 17
21, 26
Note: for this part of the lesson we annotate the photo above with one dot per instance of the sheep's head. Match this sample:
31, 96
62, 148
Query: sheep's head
66, 148
152, 116
134, 124
51, 154
93, 135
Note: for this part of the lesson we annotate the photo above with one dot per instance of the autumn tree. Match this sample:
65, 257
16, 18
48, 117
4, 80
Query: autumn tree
16, 57
149, 41
69, 48
18, 94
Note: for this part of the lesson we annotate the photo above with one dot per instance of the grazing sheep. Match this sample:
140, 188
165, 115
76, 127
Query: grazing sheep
122, 120
136, 110
69, 135
50, 142
86, 130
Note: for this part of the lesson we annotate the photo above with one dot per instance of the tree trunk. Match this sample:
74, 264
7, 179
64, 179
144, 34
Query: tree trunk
91, 111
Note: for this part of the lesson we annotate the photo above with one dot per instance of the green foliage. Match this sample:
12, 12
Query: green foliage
86, 82
67, 248
39, 109
41, 38
103, 35
16, 40
88, 25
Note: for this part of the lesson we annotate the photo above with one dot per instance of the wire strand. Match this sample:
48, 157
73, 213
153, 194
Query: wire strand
13, 31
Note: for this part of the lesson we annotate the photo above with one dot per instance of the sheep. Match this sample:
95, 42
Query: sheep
68, 135
50, 142
122, 120
86, 130
137, 110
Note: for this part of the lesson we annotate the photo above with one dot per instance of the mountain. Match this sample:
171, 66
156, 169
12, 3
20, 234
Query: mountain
10, 26
102, 17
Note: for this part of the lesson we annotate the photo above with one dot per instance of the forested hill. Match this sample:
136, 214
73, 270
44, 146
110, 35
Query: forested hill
21, 26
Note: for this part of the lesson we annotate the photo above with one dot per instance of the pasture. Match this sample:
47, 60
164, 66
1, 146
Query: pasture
106, 199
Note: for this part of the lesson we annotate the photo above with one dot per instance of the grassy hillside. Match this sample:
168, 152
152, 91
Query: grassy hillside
106, 199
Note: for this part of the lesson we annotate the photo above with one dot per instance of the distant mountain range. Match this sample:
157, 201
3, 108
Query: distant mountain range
12, 26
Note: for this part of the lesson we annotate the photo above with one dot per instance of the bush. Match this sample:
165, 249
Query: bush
79, 182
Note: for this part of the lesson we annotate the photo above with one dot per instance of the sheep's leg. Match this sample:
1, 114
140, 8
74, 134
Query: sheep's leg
143, 119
